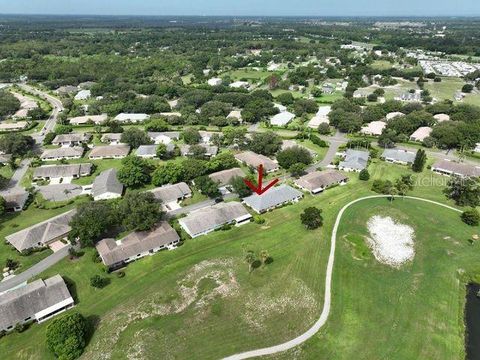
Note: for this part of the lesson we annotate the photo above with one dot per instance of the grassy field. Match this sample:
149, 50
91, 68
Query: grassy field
381, 65
201, 298
247, 73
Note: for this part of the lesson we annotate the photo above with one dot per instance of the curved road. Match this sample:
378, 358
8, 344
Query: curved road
328, 284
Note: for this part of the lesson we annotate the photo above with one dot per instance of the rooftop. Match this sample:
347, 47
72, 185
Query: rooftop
272, 198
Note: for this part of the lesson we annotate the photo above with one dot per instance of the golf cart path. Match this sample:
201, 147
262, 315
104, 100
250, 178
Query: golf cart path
328, 284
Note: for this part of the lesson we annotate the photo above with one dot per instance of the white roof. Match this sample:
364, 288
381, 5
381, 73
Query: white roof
394, 114
97, 119
280, 107
282, 118
83, 95
442, 117
373, 128
421, 133
131, 117
321, 117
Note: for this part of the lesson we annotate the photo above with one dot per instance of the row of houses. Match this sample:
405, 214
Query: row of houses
98, 152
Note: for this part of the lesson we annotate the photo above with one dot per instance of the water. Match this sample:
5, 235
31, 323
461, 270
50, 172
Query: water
472, 321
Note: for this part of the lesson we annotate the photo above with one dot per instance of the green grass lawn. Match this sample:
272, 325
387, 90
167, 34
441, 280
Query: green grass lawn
200, 299
381, 65
250, 74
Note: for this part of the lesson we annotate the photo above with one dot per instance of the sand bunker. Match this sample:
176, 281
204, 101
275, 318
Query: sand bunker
391, 242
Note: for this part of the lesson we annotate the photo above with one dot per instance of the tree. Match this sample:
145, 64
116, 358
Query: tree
9, 104
191, 136
207, 186
139, 211
294, 155
47, 140
312, 218
364, 175
156, 125
467, 88
90, 222
324, 129
162, 151
285, 98
471, 217
267, 143
250, 259
98, 281
3, 205
170, 173
420, 160
305, 106
464, 191
135, 137
297, 170
16, 144
66, 336
264, 256
193, 168
135, 172
240, 187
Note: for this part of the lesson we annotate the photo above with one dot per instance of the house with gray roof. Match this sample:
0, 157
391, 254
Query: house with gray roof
68, 153
253, 160
106, 186
109, 152
398, 156
146, 151
71, 171
15, 200
223, 178
355, 160
42, 234
5, 158
446, 167
138, 244
73, 139
317, 181
170, 195
38, 301
273, 198
205, 220
210, 150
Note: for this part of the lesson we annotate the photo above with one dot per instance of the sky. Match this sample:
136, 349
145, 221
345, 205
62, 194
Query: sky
245, 7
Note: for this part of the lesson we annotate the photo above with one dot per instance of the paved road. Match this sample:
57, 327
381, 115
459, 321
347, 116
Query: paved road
35, 270
56, 104
335, 141
328, 285
14, 183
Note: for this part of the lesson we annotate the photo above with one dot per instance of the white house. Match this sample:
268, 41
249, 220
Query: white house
214, 82
83, 95
132, 118
106, 186
282, 119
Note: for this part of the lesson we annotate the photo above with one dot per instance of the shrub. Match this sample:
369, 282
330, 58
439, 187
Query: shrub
120, 274
66, 336
364, 175
471, 217
98, 281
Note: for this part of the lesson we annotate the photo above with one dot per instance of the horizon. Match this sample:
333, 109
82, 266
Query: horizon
247, 8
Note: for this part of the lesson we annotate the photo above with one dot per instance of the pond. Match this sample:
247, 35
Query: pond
472, 322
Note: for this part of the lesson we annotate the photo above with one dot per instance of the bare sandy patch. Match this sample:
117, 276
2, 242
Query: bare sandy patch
392, 243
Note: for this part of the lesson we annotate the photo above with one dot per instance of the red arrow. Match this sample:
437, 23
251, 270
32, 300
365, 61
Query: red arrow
258, 189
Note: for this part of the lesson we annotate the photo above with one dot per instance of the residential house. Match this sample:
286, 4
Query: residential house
106, 186
393, 115
355, 160
109, 152
42, 234
235, 114
146, 151
253, 160
15, 200
164, 137
477, 148
223, 178
421, 133
317, 181
38, 301
273, 198
138, 244
282, 119
441, 117
89, 119
207, 136
83, 95
57, 172
215, 82
67, 153
170, 195
446, 167
410, 97
210, 150
320, 118
73, 139
398, 156
373, 128
112, 138
13, 126
66, 90
131, 118
240, 85
205, 220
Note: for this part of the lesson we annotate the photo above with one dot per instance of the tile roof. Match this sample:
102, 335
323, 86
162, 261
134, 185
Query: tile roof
355, 159
320, 179
107, 182
272, 198
109, 151
252, 159
399, 155
225, 176
59, 153
171, 192
61, 171
457, 168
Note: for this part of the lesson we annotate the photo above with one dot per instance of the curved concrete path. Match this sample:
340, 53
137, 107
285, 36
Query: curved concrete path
328, 284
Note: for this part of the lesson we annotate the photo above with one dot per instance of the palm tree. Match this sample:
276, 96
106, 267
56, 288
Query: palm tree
250, 259
264, 256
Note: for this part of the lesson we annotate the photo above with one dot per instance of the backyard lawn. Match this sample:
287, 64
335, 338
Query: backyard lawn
200, 299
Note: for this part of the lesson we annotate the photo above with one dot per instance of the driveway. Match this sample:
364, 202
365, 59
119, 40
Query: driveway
14, 183
60, 192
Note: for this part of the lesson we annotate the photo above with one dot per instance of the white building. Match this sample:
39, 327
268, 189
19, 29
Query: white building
282, 118
132, 118
214, 82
